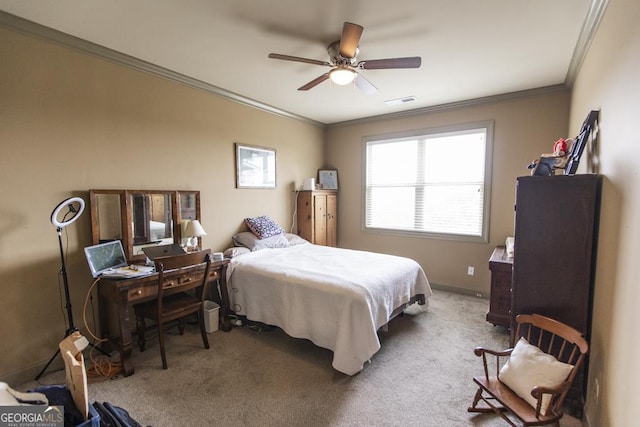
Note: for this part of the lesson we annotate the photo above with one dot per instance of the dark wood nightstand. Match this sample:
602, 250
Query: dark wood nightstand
501, 267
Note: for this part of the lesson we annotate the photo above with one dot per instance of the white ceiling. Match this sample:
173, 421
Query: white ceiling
470, 49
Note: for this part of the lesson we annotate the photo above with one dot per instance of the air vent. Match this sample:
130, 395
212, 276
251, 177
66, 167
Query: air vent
400, 101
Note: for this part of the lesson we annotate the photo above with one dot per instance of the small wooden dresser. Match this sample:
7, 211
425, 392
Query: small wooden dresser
501, 267
318, 216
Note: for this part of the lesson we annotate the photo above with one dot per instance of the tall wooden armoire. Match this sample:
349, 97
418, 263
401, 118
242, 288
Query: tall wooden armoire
556, 235
317, 216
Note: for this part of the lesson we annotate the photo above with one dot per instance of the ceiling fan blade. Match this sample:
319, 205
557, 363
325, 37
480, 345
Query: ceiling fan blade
365, 85
298, 59
350, 38
383, 64
313, 83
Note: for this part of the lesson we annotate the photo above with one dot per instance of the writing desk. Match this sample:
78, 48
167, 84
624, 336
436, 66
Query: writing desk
122, 293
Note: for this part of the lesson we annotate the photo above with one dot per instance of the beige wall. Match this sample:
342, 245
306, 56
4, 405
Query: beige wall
70, 122
609, 80
524, 127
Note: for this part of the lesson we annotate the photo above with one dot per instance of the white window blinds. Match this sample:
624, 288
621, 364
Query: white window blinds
432, 183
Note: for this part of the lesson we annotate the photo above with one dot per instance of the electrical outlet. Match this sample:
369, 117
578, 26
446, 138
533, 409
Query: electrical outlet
470, 271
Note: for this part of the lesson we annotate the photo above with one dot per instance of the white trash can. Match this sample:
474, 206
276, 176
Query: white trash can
211, 310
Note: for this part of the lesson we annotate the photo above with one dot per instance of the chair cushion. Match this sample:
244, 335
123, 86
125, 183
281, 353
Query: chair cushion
527, 367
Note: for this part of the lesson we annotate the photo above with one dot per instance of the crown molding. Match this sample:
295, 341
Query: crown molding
58, 37
455, 105
587, 33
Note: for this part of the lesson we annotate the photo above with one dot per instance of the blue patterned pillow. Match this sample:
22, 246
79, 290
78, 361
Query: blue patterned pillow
263, 226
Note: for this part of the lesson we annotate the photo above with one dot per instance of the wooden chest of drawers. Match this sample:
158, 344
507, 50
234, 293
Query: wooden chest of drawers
501, 267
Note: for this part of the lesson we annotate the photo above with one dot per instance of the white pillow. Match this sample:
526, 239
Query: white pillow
251, 241
294, 239
277, 241
246, 239
236, 251
527, 367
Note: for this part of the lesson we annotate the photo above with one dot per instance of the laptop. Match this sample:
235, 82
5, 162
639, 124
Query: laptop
108, 260
160, 251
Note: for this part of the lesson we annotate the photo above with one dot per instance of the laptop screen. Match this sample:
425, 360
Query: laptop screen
105, 256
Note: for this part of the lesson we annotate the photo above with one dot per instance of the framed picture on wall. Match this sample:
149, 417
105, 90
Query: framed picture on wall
328, 179
255, 166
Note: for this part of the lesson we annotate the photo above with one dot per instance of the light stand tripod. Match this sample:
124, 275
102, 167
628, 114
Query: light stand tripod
74, 205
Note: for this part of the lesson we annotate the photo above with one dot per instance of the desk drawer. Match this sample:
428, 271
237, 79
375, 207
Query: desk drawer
135, 294
187, 278
180, 280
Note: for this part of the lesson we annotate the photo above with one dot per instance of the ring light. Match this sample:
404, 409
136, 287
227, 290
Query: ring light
68, 204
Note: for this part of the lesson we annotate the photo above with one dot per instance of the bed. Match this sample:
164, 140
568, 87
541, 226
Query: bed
337, 298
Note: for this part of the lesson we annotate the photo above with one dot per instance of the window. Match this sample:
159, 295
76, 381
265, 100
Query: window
434, 183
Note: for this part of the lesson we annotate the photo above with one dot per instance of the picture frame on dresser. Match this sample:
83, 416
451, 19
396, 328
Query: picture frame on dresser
255, 166
328, 179
588, 132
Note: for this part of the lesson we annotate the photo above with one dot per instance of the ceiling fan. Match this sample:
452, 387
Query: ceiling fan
342, 54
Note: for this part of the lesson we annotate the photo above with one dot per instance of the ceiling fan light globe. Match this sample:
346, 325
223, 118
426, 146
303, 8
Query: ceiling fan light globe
342, 76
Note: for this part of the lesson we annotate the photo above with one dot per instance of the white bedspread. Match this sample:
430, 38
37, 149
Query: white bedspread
337, 298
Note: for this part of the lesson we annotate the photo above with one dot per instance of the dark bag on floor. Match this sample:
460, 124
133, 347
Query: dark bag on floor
114, 416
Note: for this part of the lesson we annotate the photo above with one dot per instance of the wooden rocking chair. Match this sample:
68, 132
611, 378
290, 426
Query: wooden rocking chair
549, 337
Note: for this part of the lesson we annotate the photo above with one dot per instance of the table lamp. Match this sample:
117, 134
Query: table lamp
192, 232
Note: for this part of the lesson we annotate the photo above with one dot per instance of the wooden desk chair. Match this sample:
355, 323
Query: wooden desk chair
528, 382
182, 284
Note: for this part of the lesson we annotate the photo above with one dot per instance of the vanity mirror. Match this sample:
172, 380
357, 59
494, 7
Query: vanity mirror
141, 218
151, 220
